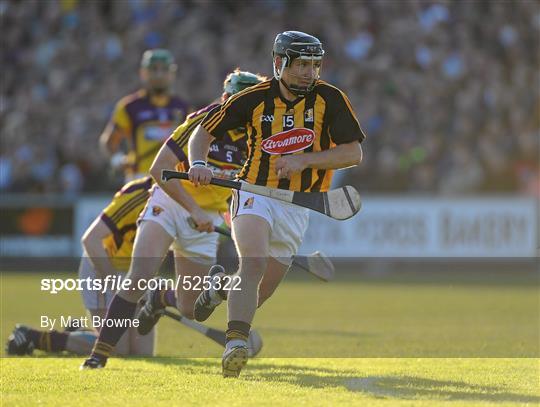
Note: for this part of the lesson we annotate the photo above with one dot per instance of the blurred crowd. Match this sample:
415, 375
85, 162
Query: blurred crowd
447, 91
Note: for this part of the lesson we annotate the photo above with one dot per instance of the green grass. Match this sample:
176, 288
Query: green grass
378, 382
351, 342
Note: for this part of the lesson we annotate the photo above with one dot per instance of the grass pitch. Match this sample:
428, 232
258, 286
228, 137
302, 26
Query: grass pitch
314, 382
350, 342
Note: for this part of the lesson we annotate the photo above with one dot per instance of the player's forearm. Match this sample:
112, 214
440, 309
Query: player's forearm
167, 160
199, 144
106, 144
101, 262
92, 243
178, 193
109, 141
341, 156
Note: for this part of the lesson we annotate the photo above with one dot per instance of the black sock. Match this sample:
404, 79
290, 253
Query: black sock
110, 335
237, 330
52, 341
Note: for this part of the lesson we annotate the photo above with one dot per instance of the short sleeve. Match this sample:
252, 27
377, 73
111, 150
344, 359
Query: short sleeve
176, 144
125, 206
227, 116
178, 140
344, 126
109, 213
120, 118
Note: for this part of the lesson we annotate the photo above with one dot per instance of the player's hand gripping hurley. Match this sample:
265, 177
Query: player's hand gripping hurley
342, 203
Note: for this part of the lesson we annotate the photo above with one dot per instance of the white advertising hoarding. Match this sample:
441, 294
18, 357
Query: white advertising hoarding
430, 227
86, 210
407, 227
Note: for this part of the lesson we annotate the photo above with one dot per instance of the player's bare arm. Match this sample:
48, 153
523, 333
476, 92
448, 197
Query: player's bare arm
92, 242
342, 156
199, 144
166, 159
110, 139
109, 143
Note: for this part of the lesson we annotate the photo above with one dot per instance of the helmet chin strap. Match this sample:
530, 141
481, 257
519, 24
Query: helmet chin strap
295, 92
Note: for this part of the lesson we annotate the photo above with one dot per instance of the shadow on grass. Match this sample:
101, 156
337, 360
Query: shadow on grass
388, 387
382, 387
410, 388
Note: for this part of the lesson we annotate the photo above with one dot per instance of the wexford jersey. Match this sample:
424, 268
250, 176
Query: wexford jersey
121, 218
225, 158
148, 123
276, 127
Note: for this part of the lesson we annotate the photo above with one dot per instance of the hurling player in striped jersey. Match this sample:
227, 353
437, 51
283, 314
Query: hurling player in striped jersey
299, 129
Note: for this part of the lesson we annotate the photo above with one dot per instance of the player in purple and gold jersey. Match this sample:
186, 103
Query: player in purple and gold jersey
144, 119
166, 221
107, 246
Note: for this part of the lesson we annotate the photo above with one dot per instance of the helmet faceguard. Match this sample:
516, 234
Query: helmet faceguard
292, 45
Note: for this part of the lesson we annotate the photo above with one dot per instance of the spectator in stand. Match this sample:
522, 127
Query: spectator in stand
437, 83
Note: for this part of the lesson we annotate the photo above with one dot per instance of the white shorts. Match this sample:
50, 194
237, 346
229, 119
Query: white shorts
198, 246
287, 221
93, 299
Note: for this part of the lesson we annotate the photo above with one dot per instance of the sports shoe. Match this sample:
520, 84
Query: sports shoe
70, 326
234, 359
254, 343
93, 363
19, 343
150, 312
208, 300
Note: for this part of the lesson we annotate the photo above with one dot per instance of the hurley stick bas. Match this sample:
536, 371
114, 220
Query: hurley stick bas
342, 203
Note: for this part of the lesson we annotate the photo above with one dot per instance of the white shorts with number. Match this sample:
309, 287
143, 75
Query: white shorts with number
94, 299
287, 221
199, 247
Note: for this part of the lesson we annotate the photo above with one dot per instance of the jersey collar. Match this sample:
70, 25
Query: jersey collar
275, 91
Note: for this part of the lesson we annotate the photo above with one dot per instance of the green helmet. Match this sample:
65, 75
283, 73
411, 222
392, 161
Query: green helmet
240, 80
152, 56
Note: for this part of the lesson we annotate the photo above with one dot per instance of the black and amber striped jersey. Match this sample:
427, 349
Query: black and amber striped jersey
274, 127
121, 216
226, 157
147, 122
